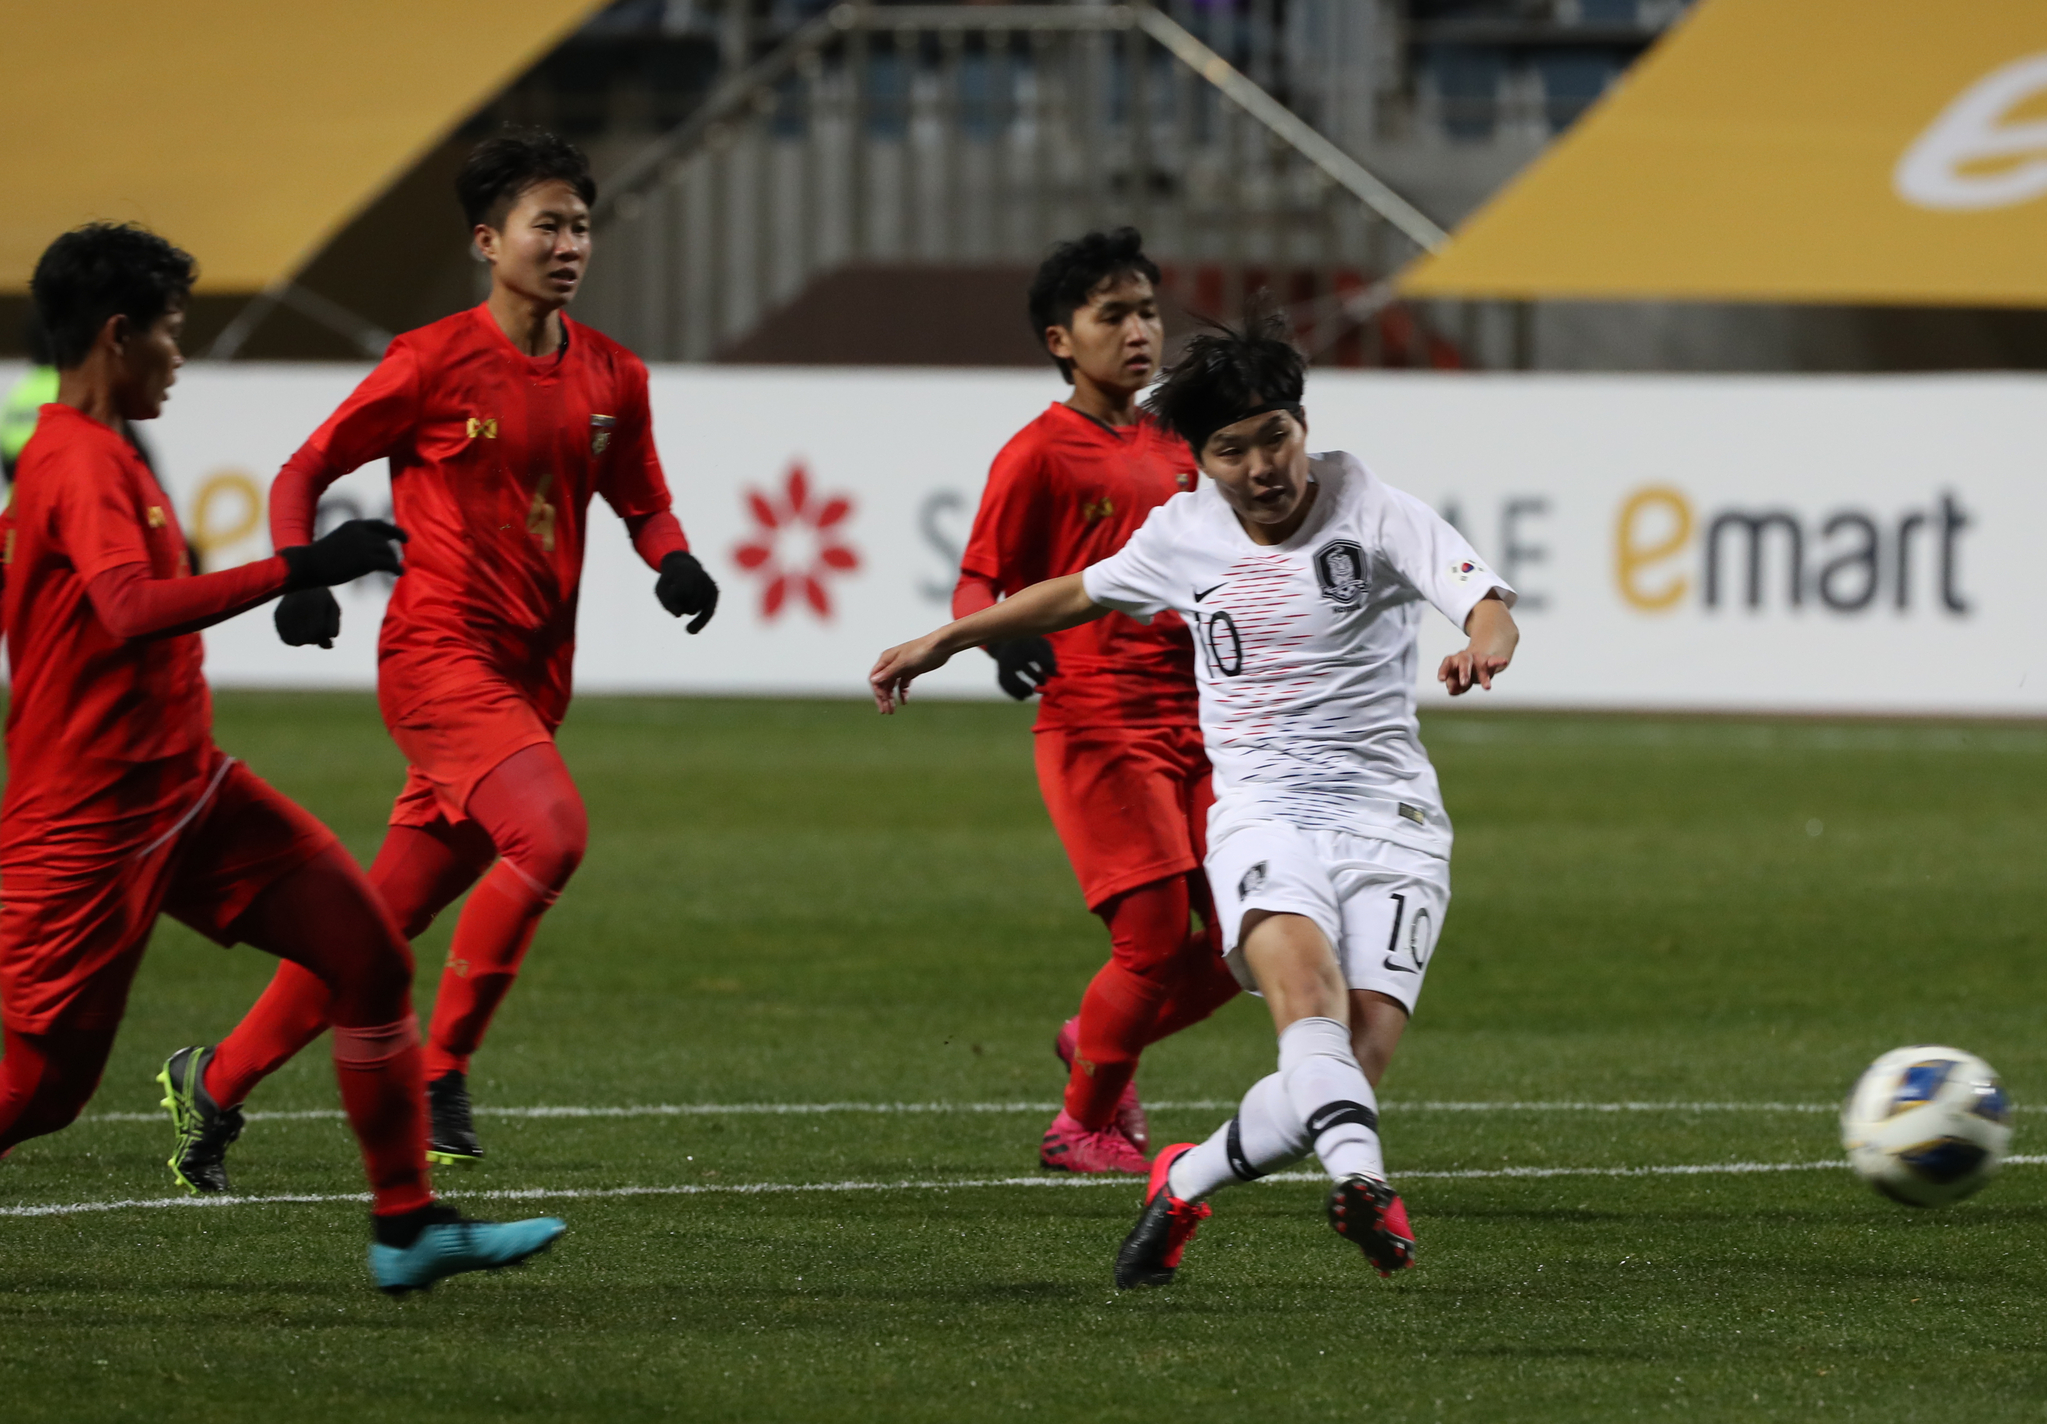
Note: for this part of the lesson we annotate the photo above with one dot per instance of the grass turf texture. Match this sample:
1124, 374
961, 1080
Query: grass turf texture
797, 902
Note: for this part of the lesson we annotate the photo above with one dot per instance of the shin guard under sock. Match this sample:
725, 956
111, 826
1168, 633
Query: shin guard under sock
290, 1015
383, 1091
1263, 1137
1116, 1013
1328, 1091
1201, 983
491, 940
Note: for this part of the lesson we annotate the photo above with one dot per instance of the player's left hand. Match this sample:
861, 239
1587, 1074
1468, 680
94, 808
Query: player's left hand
309, 616
684, 587
1468, 668
1493, 640
895, 669
1024, 665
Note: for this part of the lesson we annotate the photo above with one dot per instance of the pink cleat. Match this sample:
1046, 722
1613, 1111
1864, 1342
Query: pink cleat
1130, 1118
1368, 1213
1069, 1147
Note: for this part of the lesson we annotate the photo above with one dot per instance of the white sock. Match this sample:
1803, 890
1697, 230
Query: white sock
1264, 1136
1329, 1093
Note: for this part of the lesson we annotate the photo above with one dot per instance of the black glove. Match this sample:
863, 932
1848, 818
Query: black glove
1023, 666
308, 616
684, 587
361, 546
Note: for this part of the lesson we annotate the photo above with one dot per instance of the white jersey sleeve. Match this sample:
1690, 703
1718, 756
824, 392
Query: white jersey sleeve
1137, 578
1426, 552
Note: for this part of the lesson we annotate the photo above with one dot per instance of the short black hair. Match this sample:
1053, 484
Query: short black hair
1227, 374
102, 270
505, 165
1070, 273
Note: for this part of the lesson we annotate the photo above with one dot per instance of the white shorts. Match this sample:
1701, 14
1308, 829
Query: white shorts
1381, 905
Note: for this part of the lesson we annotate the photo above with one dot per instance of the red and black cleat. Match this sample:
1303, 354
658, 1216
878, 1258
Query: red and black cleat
1370, 1215
1151, 1252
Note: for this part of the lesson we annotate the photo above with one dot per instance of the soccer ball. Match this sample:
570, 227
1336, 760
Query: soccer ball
1927, 1125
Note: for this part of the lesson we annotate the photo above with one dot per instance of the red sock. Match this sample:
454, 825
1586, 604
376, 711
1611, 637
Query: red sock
290, 1015
383, 1090
1115, 1014
530, 809
326, 917
1147, 931
418, 870
1199, 985
491, 939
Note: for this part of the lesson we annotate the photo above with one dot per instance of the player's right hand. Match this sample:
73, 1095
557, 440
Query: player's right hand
1023, 666
895, 669
358, 547
308, 616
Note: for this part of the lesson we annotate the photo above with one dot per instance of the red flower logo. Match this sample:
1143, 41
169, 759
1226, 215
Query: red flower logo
797, 544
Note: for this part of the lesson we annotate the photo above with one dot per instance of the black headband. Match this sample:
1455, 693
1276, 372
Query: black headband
1292, 408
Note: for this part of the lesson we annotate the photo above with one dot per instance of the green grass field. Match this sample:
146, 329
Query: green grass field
797, 903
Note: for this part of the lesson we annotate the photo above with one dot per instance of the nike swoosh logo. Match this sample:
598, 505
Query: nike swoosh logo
1203, 593
1396, 968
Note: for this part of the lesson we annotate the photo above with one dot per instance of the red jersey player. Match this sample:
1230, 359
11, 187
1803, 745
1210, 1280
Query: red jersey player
119, 805
500, 423
1119, 753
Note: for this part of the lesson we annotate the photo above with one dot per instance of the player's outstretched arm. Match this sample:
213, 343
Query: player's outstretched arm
1042, 608
1493, 639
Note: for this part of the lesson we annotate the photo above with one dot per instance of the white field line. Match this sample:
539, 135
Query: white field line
537, 1194
887, 1109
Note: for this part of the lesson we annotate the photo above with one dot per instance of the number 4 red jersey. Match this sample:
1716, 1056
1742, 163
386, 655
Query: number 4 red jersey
1066, 491
494, 458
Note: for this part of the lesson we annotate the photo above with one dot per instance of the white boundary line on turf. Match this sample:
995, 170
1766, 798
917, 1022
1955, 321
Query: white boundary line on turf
535, 1194
890, 1109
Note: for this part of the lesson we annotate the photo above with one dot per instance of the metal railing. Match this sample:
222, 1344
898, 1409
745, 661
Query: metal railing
975, 136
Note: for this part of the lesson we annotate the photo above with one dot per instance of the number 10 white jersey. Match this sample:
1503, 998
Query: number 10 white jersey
1306, 649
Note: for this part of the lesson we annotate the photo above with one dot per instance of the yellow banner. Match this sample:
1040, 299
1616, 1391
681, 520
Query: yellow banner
1870, 151
246, 131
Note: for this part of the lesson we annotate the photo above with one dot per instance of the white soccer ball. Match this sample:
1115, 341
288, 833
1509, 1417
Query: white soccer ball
1927, 1125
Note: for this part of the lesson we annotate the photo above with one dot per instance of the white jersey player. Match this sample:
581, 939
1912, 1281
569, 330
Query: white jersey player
1304, 577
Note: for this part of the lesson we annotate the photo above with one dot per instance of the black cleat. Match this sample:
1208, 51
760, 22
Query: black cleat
1151, 1252
451, 1134
205, 1129
1370, 1215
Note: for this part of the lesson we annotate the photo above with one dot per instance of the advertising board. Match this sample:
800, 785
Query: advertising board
1743, 543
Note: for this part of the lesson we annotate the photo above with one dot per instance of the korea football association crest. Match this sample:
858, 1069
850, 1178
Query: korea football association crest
601, 427
1340, 570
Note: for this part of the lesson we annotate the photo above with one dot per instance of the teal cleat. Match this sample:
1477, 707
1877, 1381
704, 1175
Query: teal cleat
442, 1242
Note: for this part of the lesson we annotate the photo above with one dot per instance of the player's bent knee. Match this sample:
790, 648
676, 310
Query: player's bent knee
551, 846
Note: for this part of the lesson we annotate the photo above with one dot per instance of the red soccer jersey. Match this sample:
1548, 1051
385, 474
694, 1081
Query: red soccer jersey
101, 728
494, 457
1065, 492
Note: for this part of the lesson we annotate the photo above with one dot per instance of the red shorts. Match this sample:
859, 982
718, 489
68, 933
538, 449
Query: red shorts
1129, 803
456, 739
76, 910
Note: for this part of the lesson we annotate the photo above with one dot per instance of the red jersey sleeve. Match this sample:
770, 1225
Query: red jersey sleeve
370, 425
134, 605
631, 481
1006, 549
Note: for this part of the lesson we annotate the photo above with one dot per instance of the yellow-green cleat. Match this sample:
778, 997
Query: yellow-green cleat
451, 1129
205, 1129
